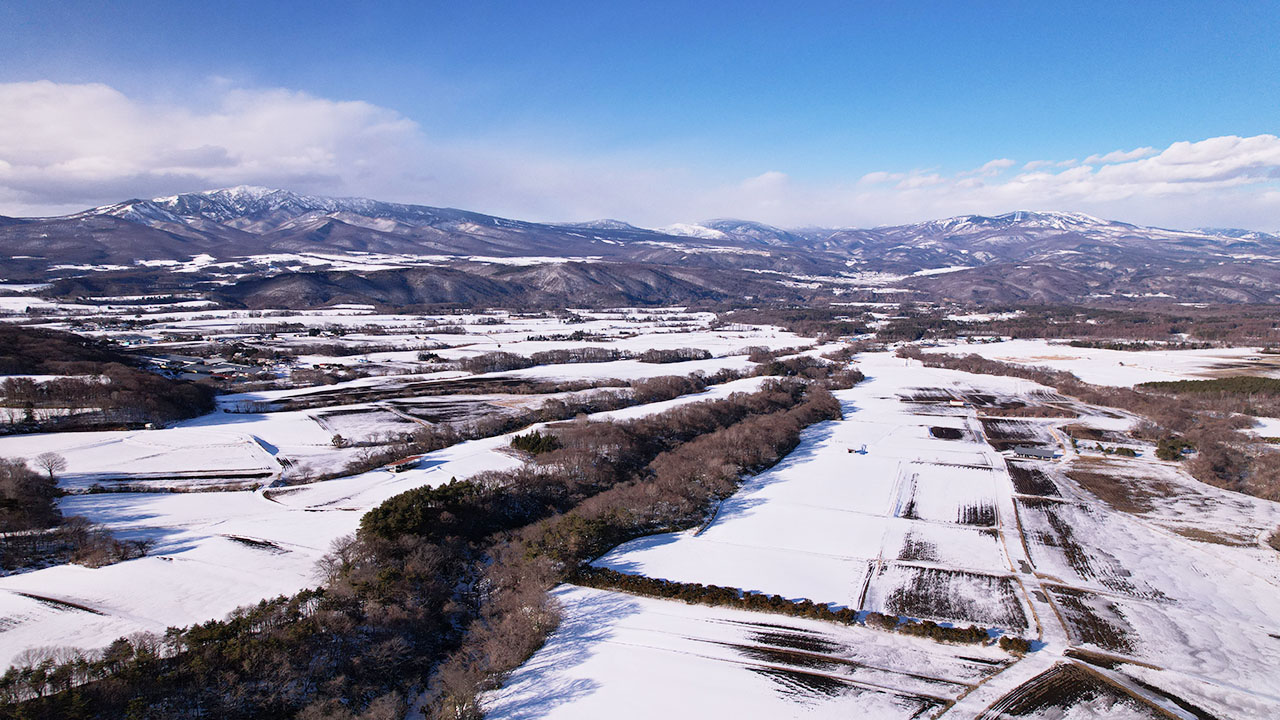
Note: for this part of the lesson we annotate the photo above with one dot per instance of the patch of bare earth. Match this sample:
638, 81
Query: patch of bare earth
1216, 537
1118, 486
1055, 692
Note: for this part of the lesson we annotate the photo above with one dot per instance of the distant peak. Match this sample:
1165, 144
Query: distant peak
237, 191
690, 230
603, 224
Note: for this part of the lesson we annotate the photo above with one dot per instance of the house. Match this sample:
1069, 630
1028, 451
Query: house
408, 463
228, 369
1033, 452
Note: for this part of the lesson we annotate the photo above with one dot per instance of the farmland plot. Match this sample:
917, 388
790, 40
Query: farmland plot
622, 656
1130, 587
1095, 619
1069, 691
1122, 368
1032, 478
948, 595
180, 457
214, 552
357, 424
1059, 536
953, 546
947, 494
1006, 433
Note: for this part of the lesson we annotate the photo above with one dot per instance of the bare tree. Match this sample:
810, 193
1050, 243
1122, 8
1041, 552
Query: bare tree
51, 462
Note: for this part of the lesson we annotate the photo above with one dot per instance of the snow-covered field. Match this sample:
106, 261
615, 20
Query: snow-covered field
903, 507
215, 551
620, 656
1122, 368
181, 456
1191, 617
828, 516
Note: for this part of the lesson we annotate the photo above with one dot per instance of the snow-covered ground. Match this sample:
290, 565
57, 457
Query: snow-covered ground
874, 512
215, 551
1122, 368
190, 453
817, 524
620, 656
879, 531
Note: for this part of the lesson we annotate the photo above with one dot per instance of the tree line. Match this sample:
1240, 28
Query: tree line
112, 389
721, 596
1150, 322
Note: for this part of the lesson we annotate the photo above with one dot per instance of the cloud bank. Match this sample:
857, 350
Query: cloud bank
65, 147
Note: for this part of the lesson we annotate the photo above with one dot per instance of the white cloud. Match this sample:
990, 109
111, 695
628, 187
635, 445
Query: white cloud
70, 145
880, 176
66, 147
1119, 156
919, 181
770, 180
990, 168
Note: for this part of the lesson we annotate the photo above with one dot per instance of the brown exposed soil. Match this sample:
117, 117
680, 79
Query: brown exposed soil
1118, 489
1215, 537
931, 593
1029, 479
1084, 614
1062, 687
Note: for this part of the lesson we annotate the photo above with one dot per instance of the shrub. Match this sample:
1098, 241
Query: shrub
674, 355
1015, 645
535, 442
1171, 448
494, 362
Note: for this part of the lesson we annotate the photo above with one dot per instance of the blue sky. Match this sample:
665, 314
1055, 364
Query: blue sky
564, 110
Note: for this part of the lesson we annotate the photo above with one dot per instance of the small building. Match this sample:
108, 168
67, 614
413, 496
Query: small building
403, 464
1035, 453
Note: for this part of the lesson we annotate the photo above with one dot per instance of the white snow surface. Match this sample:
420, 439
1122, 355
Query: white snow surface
829, 525
1120, 368
620, 656
201, 566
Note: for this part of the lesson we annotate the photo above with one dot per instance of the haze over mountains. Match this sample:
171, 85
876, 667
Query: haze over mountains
260, 247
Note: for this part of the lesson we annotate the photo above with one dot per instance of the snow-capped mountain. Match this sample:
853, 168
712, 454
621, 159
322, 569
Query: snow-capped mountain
1047, 256
1239, 234
692, 230
260, 209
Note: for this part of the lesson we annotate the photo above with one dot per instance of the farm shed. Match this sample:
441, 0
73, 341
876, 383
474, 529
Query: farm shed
1033, 452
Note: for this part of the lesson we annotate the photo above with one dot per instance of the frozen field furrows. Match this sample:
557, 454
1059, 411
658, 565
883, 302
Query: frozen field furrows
1168, 612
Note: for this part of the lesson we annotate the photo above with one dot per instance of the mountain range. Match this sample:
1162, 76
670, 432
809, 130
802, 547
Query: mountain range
261, 247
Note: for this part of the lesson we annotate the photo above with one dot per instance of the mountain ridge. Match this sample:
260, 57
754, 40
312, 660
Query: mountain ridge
251, 232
